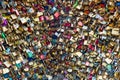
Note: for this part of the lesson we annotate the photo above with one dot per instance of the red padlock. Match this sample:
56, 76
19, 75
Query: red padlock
29, 29
12, 10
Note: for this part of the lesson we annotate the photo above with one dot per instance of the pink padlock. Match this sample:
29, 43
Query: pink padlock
40, 9
87, 63
47, 18
17, 13
41, 18
57, 14
75, 30
91, 47
42, 56
90, 77
109, 51
69, 36
80, 23
44, 37
0, 63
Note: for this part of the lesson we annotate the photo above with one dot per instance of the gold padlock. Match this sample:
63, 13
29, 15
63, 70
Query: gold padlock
117, 75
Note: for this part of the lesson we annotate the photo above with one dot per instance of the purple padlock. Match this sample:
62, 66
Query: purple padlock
5, 22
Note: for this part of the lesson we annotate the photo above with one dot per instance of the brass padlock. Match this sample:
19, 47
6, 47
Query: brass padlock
117, 75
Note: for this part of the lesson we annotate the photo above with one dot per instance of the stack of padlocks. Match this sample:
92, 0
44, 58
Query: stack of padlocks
59, 39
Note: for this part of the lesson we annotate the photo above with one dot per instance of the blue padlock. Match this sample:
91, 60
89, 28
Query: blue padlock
117, 3
6, 75
8, 50
52, 10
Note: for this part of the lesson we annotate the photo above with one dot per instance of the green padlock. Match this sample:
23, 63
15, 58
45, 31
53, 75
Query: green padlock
76, 4
19, 65
3, 35
109, 67
30, 54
